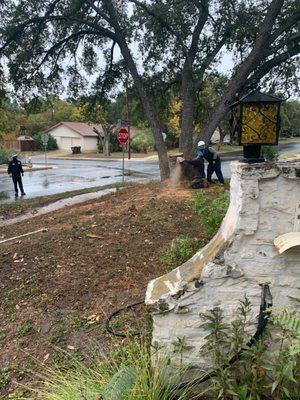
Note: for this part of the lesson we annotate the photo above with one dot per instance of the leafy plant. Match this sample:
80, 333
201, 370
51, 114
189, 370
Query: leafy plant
5, 155
211, 212
126, 373
2, 334
51, 145
181, 250
268, 369
25, 329
270, 153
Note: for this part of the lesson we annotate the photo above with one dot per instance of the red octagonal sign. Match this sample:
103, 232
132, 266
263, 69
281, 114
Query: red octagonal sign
123, 136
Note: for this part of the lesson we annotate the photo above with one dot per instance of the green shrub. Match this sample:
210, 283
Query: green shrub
124, 374
270, 369
211, 212
181, 250
139, 145
5, 155
51, 145
143, 141
270, 153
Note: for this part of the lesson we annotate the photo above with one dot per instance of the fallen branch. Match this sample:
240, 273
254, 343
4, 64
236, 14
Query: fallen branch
24, 234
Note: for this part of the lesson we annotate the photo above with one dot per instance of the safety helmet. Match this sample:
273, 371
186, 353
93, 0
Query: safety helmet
201, 143
14, 155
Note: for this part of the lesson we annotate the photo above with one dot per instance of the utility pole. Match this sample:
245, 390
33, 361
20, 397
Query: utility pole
127, 117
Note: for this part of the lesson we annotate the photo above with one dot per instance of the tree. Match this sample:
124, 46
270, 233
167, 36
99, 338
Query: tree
191, 36
38, 35
94, 113
290, 118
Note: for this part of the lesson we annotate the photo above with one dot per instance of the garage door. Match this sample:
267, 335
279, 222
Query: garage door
68, 142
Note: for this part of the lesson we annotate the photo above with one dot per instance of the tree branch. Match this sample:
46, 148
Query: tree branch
61, 43
99, 11
45, 19
203, 15
265, 68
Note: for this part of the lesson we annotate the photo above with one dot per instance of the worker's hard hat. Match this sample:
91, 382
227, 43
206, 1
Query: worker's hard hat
201, 143
14, 155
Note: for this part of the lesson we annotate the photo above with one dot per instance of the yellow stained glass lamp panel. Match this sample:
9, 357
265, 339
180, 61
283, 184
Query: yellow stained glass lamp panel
259, 124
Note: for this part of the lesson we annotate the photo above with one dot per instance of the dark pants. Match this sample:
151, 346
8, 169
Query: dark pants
198, 164
215, 167
17, 180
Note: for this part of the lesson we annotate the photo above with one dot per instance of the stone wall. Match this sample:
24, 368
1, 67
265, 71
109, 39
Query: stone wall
239, 259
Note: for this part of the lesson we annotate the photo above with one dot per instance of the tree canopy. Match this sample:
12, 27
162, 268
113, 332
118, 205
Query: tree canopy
86, 47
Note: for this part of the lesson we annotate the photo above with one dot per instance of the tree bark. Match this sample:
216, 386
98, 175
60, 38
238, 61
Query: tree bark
257, 54
188, 108
148, 108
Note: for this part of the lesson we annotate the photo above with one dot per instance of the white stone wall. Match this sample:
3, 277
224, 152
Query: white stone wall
240, 258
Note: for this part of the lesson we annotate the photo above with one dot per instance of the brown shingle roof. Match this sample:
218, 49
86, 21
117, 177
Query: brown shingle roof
82, 128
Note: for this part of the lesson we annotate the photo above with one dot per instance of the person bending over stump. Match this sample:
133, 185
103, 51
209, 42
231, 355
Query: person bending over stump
15, 169
214, 162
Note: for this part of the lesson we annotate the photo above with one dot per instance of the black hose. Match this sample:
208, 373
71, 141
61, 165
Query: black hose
117, 312
263, 317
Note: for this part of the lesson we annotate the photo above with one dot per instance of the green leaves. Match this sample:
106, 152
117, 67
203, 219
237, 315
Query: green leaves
211, 212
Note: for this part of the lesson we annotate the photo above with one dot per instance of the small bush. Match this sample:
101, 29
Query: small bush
211, 212
181, 250
139, 145
51, 145
269, 369
270, 153
5, 155
124, 374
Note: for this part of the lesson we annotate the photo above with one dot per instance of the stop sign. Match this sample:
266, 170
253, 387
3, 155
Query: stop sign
123, 136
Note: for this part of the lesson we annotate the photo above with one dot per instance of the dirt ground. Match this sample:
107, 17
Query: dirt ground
58, 286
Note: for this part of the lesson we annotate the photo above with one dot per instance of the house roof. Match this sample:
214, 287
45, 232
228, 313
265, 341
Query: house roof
84, 129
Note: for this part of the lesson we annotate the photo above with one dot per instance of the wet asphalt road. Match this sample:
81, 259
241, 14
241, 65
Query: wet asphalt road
72, 174
68, 175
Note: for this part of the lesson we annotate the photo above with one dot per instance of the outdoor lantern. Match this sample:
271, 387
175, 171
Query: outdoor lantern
255, 122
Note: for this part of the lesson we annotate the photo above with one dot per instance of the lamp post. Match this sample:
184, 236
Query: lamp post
255, 122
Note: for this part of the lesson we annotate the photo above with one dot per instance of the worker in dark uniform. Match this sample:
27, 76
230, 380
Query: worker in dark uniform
15, 169
211, 156
213, 159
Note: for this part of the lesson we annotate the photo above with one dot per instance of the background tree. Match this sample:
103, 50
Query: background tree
186, 40
38, 35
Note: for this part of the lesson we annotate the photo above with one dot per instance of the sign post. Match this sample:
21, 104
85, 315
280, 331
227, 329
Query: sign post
123, 138
45, 140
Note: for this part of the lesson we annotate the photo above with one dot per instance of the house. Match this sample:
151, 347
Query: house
71, 134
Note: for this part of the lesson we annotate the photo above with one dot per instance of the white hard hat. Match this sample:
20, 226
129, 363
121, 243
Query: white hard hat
14, 155
201, 143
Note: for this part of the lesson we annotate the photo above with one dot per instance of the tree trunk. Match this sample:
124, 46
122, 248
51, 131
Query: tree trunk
106, 145
188, 107
256, 55
148, 108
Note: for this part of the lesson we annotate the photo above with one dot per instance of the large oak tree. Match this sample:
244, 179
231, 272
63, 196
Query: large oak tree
47, 42
191, 36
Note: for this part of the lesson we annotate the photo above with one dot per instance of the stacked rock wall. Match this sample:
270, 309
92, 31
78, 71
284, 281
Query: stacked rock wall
237, 261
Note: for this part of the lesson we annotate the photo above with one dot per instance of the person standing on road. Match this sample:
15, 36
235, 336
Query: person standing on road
213, 159
15, 169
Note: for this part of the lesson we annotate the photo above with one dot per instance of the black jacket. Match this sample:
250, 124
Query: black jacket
15, 167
